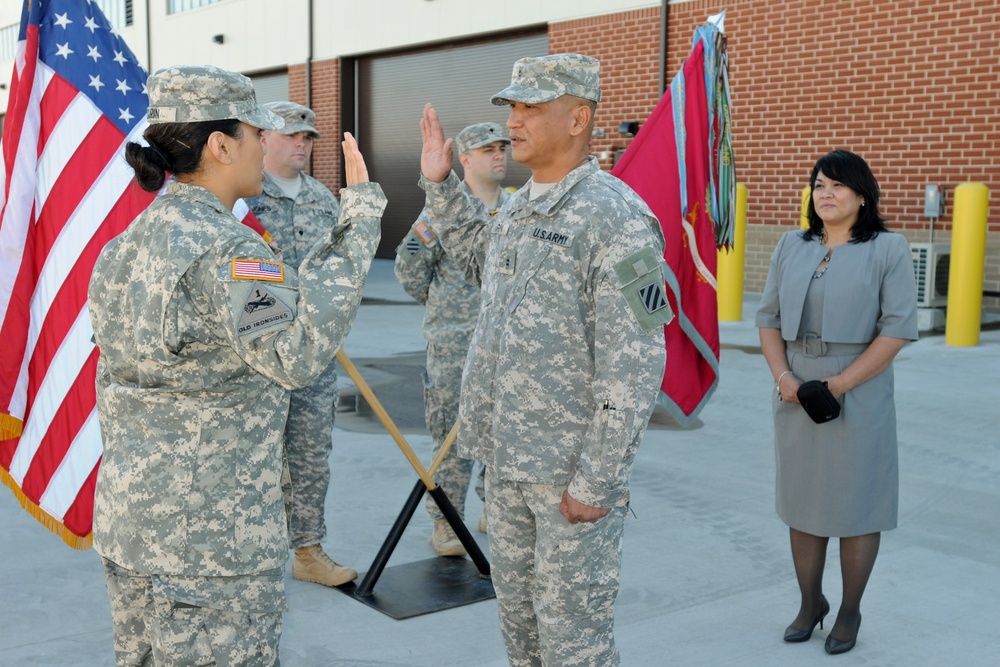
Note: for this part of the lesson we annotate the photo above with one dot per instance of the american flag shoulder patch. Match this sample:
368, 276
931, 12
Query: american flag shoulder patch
424, 231
256, 269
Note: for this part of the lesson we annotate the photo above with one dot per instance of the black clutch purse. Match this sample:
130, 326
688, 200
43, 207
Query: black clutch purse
818, 402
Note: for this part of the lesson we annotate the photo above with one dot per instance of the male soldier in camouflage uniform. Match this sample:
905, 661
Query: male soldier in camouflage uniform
429, 275
202, 333
565, 362
298, 210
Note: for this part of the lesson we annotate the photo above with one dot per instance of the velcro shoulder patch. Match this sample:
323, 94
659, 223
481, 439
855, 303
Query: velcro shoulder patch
640, 280
262, 309
256, 269
424, 231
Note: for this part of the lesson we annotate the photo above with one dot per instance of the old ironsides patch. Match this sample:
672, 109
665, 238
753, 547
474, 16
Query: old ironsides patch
262, 309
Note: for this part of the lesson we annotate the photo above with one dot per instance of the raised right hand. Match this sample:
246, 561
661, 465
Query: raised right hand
435, 156
355, 170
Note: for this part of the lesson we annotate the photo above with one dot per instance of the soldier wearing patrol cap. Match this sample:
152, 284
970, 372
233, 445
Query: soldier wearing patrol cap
297, 210
565, 362
202, 333
430, 276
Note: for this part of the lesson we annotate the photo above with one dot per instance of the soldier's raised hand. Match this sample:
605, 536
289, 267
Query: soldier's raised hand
355, 170
435, 156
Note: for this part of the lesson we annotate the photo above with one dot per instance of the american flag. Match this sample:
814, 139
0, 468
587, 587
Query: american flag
77, 96
251, 268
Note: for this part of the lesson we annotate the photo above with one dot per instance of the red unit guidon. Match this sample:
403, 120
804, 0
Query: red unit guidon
255, 269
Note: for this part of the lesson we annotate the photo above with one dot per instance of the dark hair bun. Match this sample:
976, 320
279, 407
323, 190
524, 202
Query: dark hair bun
150, 165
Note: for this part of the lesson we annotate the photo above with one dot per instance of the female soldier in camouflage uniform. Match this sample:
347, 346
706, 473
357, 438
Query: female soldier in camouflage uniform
202, 333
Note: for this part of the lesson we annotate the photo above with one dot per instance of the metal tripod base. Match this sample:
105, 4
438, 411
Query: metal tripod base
425, 586
428, 585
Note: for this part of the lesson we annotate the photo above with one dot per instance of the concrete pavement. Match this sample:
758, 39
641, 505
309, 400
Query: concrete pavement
707, 574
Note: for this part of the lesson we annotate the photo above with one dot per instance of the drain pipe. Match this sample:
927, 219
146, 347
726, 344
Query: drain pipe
664, 24
309, 68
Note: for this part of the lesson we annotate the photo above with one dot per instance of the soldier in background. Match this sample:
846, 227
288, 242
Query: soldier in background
202, 333
297, 210
430, 276
565, 362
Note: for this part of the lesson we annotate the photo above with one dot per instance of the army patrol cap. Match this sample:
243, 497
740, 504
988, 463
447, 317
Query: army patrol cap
194, 94
297, 118
480, 134
540, 80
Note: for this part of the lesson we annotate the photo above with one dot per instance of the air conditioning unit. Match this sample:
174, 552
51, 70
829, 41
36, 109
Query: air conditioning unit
931, 263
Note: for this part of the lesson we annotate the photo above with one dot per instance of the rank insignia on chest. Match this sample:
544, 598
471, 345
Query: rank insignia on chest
254, 269
508, 260
424, 231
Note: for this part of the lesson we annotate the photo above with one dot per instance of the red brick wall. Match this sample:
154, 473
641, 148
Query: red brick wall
913, 86
628, 46
326, 104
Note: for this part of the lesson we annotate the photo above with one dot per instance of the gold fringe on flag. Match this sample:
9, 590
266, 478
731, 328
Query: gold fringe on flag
44, 518
10, 427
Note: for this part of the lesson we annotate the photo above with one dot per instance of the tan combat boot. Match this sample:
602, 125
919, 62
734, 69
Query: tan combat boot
482, 521
445, 541
312, 564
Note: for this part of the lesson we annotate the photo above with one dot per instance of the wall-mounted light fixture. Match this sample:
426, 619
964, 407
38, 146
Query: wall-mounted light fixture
629, 128
219, 39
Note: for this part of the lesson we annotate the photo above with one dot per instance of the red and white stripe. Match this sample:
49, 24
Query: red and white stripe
68, 191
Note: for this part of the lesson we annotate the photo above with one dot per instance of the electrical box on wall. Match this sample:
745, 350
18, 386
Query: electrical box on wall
933, 200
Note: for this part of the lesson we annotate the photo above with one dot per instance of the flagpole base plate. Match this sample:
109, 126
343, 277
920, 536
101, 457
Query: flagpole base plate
424, 587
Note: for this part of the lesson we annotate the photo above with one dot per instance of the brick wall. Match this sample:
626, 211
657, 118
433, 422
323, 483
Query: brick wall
326, 104
628, 46
911, 85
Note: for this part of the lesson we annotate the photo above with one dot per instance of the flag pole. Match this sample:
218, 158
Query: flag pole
426, 482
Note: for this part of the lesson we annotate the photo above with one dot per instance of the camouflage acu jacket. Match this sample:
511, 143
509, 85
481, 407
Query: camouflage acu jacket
432, 277
568, 353
201, 334
296, 224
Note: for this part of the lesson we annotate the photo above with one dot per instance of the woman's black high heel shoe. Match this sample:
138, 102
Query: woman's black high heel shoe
834, 646
794, 635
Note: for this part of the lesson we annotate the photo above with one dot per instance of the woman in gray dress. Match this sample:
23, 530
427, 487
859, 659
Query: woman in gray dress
838, 305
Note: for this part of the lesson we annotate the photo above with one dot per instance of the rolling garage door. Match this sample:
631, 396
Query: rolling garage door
458, 80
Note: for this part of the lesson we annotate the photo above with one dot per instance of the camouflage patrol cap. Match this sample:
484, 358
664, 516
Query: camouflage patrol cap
478, 135
194, 94
540, 80
297, 117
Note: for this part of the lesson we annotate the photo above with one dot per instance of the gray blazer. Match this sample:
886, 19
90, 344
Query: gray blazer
870, 289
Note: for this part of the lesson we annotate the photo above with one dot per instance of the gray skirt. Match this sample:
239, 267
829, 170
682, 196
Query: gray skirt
841, 478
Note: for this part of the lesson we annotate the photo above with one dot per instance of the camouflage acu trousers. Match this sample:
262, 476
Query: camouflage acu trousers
556, 582
308, 444
442, 387
154, 628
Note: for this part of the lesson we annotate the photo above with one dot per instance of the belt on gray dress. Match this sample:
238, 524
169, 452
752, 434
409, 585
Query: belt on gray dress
812, 345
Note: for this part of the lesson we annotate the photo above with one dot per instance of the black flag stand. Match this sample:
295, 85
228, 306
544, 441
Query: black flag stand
429, 585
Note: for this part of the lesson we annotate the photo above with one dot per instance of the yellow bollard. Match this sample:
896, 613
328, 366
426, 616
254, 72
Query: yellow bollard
804, 214
731, 264
968, 259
